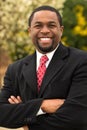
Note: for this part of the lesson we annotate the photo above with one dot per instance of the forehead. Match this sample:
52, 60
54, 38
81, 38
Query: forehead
45, 15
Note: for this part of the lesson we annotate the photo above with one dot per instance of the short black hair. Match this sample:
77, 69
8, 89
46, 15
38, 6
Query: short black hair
45, 7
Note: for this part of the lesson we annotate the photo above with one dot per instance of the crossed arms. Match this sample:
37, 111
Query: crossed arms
47, 106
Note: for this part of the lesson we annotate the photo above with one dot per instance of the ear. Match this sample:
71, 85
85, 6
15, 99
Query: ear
29, 29
62, 28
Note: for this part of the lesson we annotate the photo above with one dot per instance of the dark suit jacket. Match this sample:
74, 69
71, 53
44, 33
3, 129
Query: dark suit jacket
65, 78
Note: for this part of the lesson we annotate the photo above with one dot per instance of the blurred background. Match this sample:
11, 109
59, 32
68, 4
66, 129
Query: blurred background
15, 42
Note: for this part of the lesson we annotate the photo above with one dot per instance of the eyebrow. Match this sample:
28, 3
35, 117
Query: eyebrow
39, 22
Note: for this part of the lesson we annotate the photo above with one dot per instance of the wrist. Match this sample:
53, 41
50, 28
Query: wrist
43, 106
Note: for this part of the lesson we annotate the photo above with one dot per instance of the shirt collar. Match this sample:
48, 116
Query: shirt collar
49, 55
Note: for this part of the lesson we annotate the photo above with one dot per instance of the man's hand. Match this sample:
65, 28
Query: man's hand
51, 105
16, 100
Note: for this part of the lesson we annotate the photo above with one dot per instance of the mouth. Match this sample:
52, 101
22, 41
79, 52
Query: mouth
45, 44
45, 39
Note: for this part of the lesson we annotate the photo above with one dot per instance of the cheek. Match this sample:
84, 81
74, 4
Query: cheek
33, 37
34, 34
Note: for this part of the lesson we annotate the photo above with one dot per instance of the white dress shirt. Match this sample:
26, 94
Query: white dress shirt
49, 55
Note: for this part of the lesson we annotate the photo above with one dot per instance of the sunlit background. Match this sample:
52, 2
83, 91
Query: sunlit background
15, 42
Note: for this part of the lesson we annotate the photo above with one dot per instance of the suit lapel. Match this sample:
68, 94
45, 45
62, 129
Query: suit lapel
56, 64
29, 72
54, 67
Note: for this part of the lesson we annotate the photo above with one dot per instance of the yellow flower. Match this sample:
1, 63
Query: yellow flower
64, 38
78, 8
81, 27
83, 32
77, 29
81, 19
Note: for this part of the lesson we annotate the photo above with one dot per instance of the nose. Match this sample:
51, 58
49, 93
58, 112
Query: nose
45, 29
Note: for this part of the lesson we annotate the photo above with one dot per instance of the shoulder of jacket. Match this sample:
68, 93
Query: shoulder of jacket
16, 66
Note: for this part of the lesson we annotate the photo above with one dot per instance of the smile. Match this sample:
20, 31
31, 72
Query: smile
45, 39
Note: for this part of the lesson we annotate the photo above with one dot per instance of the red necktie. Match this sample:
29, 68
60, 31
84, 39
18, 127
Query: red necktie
41, 70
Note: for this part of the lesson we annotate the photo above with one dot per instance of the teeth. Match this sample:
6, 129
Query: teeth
45, 39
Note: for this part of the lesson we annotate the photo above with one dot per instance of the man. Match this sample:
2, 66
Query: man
59, 101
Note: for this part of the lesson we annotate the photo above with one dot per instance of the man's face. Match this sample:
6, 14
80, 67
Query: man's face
45, 31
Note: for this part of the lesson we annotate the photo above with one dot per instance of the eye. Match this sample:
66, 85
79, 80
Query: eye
52, 25
37, 26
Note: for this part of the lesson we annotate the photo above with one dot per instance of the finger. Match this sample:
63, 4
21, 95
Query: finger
14, 99
11, 101
19, 98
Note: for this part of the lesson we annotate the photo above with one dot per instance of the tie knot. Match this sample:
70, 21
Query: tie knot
43, 59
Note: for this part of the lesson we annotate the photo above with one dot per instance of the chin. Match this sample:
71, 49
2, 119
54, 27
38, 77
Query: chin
46, 49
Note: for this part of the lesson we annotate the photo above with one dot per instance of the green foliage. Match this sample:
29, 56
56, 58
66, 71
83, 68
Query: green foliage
75, 23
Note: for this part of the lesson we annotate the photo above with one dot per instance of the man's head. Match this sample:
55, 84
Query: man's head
45, 27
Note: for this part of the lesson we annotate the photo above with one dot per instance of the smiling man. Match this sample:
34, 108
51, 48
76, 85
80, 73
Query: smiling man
47, 90
45, 31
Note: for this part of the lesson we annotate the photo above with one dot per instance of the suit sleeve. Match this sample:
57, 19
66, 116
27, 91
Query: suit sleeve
72, 115
16, 115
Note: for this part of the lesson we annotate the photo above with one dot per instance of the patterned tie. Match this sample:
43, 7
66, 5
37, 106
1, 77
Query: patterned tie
41, 70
